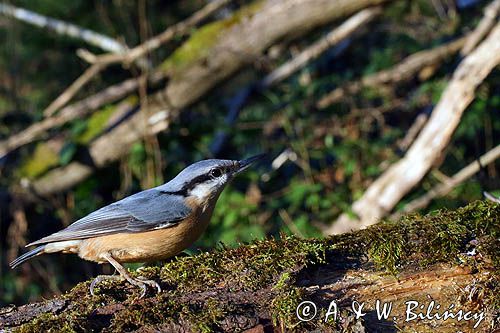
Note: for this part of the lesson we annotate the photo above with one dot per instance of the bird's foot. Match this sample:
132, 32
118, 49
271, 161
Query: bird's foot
153, 284
101, 278
140, 282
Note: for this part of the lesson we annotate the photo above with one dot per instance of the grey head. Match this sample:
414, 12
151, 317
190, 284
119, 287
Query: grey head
207, 178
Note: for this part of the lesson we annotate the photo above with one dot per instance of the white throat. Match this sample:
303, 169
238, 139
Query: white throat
204, 191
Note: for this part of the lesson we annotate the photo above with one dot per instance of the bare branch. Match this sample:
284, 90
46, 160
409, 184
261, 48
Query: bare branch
445, 188
77, 110
63, 28
340, 33
312, 52
413, 131
491, 197
101, 62
179, 29
403, 71
383, 194
71, 91
490, 16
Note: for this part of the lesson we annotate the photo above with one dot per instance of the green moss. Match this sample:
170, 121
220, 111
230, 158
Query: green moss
424, 240
261, 261
74, 320
207, 318
96, 124
149, 312
85, 131
386, 250
285, 303
198, 45
271, 268
46, 323
164, 310
42, 159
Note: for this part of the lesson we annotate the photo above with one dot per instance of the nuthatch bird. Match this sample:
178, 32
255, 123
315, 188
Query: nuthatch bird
151, 225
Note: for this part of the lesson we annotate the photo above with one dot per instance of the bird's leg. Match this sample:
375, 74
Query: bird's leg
139, 282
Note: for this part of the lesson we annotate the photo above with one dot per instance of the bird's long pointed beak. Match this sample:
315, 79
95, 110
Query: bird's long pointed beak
246, 163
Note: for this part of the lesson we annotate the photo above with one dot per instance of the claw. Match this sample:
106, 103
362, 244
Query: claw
101, 278
144, 290
150, 283
140, 282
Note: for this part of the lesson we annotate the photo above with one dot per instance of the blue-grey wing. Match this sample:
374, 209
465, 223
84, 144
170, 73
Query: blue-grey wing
144, 211
164, 211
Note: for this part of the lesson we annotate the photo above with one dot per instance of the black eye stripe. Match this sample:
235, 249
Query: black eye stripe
197, 180
201, 178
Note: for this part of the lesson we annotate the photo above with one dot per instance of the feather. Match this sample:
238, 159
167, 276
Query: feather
28, 255
144, 211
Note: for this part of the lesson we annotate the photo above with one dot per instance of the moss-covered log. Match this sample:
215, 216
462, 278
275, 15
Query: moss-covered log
448, 258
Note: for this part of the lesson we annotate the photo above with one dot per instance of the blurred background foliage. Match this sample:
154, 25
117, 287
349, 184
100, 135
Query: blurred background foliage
337, 151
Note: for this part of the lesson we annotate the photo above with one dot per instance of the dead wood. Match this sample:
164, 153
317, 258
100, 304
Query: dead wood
403, 71
258, 287
236, 45
488, 21
446, 187
111, 94
385, 192
74, 111
102, 61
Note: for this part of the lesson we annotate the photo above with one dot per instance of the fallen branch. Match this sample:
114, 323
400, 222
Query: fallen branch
106, 148
384, 193
334, 37
101, 62
312, 52
445, 188
403, 71
77, 110
63, 28
491, 13
413, 131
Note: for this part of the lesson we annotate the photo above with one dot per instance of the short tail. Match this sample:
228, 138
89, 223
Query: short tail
28, 255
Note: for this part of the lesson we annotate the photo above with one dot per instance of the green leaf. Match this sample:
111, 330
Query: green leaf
67, 152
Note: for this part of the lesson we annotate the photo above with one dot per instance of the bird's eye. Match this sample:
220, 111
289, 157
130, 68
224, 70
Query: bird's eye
215, 173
